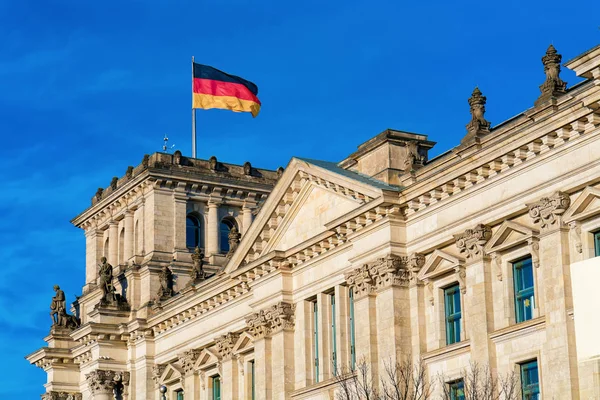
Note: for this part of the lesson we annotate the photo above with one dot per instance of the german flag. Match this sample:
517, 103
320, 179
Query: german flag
216, 89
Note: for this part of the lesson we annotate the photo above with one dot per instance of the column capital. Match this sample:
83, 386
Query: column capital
214, 203
278, 317
360, 281
188, 359
54, 395
389, 271
225, 345
548, 210
106, 381
472, 241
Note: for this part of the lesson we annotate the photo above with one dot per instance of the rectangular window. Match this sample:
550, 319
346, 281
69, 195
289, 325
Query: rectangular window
453, 313
597, 243
316, 338
530, 381
333, 335
524, 293
216, 386
352, 337
179, 394
253, 380
456, 390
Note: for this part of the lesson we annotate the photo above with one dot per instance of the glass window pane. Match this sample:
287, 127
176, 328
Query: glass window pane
453, 313
530, 386
597, 243
225, 227
352, 340
457, 390
524, 289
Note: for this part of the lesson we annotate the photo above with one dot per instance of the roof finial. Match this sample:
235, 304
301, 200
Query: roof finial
553, 86
478, 126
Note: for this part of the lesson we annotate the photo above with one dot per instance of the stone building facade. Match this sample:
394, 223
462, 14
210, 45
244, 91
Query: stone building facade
477, 255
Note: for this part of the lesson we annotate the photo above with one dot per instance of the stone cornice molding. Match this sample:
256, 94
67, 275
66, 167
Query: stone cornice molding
278, 317
472, 241
225, 345
547, 210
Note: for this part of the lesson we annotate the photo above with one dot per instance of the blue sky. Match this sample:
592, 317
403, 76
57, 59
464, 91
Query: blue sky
88, 88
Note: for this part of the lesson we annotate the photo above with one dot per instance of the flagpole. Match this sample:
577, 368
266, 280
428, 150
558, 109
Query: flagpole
193, 115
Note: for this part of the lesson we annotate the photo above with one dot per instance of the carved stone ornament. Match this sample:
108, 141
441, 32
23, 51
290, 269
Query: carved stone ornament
198, 274
278, 317
360, 281
547, 210
177, 157
129, 172
389, 271
98, 194
575, 231
145, 160
553, 86
58, 312
461, 275
105, 381
247, 168
61, 396
280, 171
225, 344
166, 283
472, 241
113, 182
234, 241
109, 297
534, 249
478, 126
212, 163
188, 359
497, 259
157, 371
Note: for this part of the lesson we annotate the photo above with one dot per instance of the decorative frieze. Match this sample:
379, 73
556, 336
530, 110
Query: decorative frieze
225, 344
187, 359
547, 210
472, 241
106, 381
278, 317
61, 396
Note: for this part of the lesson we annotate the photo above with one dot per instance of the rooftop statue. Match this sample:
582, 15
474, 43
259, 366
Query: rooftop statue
198, 273
553, 85
166, 283
109, 295
234, 240
478, 126
58, 311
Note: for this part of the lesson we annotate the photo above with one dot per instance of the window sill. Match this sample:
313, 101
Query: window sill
451, 350
310, 390
522, 328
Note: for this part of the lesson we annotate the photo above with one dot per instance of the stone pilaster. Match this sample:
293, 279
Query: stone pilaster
362, 284
128, 245
212, 231
229, 366
179, 221
113, 243
559, 358
93, 253
259, 328
476, 282
246, 219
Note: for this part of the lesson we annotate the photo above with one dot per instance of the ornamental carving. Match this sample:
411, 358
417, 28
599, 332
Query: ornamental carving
360, 281
105, 381
225, 344
390, 270
61, 396
157, 371
58, 311
165, 278
547, 210
416, 262
188, 359
478, 126
278, 317
234, 241
553, 85
472, 241
198, 274
575, 231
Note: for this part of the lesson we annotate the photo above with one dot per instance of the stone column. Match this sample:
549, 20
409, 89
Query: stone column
229, 366
323, 333
128, 245
558, 358
302, 336
104, 384
365, 310
113, 243
475, 283
282, 346
391, 275
179, 222
246, 219
187, 359
416, 294
93, 253
342, 332
259, 328
212, 231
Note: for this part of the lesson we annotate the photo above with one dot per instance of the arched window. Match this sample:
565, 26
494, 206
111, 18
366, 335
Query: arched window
226, 224
194, 236
122, 246
137, 238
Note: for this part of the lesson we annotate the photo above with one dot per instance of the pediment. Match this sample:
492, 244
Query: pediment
508, 235
305, 198
585, 206
244, 344
170, 374
439, 263
206, 359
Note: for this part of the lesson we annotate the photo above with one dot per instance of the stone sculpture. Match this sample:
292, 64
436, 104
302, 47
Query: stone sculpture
198, 273
553, 85
478, 126
109, 297
58, 311
166, 283
234, 240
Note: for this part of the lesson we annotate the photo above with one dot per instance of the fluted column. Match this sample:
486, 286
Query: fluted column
212, 231
128, 245
113, 243
246, 219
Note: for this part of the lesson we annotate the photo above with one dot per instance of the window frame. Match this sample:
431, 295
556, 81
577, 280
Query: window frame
177, 394
333, 332
453, 321
352, 335
596, 242
216, 387
454, 386
533, 388
521, 294
230, 222
198, 231
315, 337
